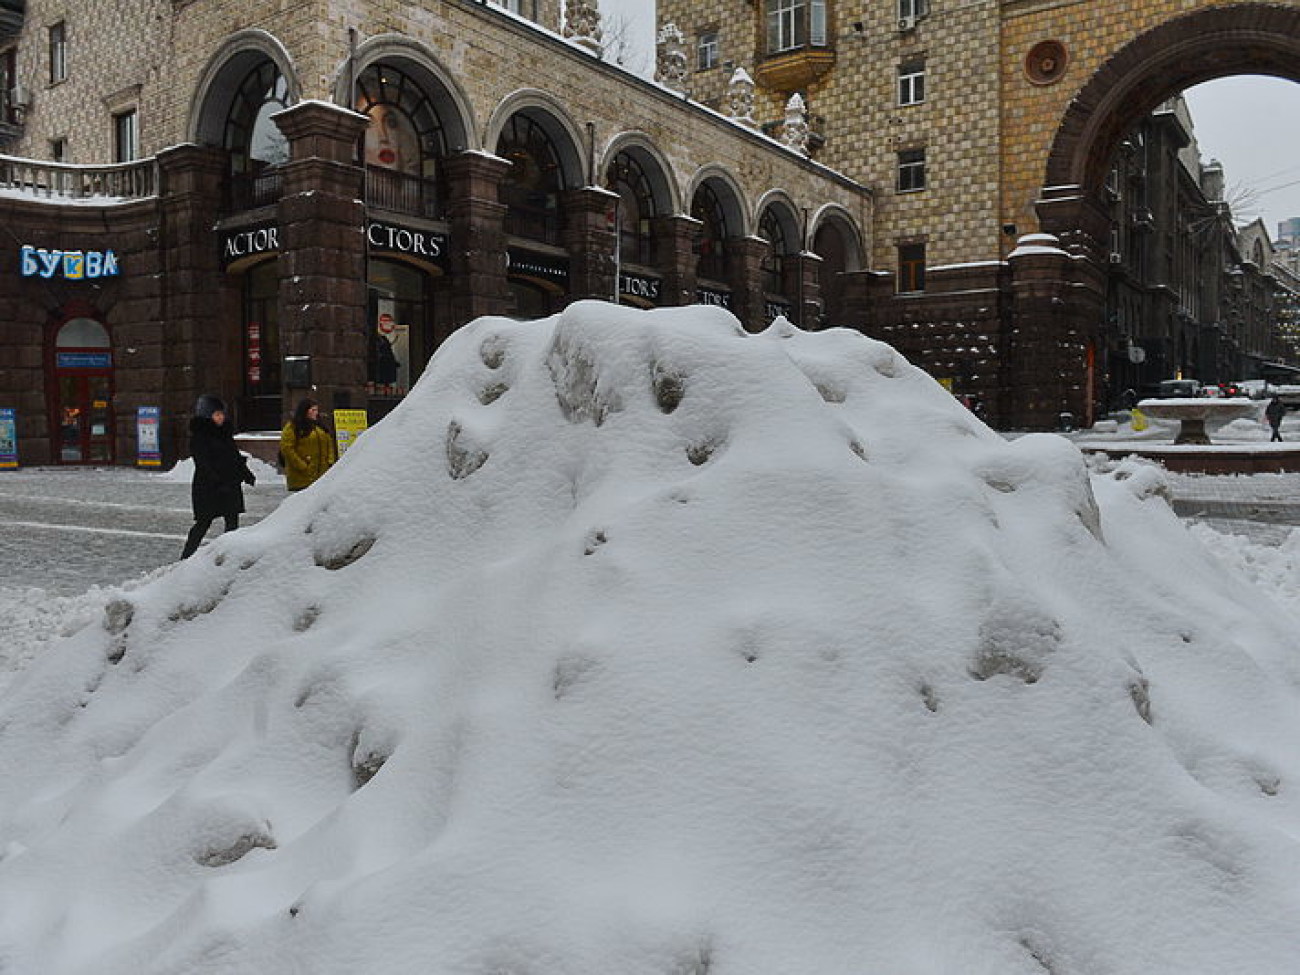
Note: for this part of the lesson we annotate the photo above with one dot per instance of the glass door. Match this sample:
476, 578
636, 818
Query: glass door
85, 419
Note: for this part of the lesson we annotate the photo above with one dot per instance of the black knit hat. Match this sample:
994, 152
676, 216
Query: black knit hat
208, 404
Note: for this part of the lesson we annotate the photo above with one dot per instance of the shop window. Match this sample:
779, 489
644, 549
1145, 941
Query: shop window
771, 229
532, 187
262, 347
397, 321
707, 208
707, 51
404, 145
794, 24
911, 83
58, 38
911, 268
257, 146
911, 170
126, 136
636, 209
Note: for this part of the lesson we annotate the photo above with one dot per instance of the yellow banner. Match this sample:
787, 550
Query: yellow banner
348, 425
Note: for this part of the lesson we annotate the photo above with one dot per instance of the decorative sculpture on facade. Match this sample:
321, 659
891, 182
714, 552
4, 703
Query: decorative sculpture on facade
740, 98
670, 67
582, 23
795, 132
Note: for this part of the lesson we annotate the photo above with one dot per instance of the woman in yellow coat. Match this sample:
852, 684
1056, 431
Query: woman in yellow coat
307, 446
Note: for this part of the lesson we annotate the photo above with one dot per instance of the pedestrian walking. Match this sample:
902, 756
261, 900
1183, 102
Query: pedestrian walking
307, 446
220, 471
1274, 412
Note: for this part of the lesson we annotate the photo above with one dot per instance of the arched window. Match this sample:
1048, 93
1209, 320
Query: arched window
636, 208
707, 208
772, 229
404, 145
532, 187
254, 141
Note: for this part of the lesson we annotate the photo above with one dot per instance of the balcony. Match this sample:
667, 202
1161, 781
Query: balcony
250, 191
387, 189
119, 182
794, 70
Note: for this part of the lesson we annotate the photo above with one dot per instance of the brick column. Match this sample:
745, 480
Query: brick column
322, 303
675, 238
478, 240
590, 233
803, 284
190, 346
745, 275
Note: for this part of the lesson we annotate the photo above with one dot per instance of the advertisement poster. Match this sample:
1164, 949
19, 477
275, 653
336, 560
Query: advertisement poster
8, 438
348, 425
148, 421
392, 355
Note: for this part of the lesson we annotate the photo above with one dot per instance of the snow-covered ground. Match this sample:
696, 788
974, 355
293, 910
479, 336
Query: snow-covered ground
631, 643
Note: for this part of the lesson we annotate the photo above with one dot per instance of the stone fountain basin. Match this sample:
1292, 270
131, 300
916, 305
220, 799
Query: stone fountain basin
1194, 413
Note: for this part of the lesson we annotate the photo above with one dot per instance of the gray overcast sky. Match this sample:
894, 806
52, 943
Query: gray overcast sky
1248, 123
1251, 124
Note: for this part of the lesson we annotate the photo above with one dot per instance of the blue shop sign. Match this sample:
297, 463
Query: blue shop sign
84, 360
73, 265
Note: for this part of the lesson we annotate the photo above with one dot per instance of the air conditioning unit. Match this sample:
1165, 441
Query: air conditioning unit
20, 97
1116, 258
907, 24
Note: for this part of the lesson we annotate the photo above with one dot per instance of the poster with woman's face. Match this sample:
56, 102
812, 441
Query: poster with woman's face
390, 141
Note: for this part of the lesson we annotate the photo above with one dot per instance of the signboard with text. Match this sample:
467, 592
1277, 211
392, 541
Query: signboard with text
148, 420
8, 438
348, 425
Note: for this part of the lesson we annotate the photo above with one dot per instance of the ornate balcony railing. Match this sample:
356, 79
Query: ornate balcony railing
135, 180
387, 189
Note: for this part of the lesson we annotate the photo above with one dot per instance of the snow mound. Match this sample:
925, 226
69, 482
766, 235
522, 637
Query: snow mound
633, 643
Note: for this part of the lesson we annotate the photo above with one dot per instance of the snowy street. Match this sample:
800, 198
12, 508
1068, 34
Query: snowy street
65, 529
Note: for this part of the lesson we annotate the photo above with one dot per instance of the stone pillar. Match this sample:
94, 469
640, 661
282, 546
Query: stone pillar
478, 239
191, 342
590, 236
745, 275
322, 304
802, 274
675, 238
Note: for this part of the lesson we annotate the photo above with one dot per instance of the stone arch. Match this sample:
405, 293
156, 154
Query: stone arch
831, 218
779, 205
1244, 38
414, 59
549, 115
657, 169
730, 195
225, 71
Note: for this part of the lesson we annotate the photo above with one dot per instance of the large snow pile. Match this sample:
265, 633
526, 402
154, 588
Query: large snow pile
631, 643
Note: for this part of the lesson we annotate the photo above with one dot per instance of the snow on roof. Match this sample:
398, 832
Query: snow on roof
630, 642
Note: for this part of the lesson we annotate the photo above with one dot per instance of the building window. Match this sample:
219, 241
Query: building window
911, 268
126, 136
795, 23
912, 9
911, 83
59, 149
707, 51
58, 53
911, 170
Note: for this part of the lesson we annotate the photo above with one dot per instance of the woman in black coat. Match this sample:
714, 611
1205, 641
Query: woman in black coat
220, 471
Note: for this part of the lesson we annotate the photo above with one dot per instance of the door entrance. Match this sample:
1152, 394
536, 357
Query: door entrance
83, 387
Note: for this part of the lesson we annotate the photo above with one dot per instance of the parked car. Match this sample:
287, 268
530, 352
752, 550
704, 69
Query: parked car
1179, 389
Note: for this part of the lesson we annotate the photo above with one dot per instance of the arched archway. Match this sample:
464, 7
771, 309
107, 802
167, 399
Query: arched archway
717, 204
1215, 42
779, 227
835, 240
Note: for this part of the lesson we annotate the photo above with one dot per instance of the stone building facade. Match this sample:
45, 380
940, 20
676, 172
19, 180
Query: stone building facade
311, 197
978, 126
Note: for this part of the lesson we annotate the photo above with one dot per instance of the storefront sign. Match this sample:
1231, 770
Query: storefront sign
775, 309
640, 286
73, 265
530, 265
254, 356
84, 360
348, 425
389, 238
8, 438
148, 451
245, 242
707, 296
